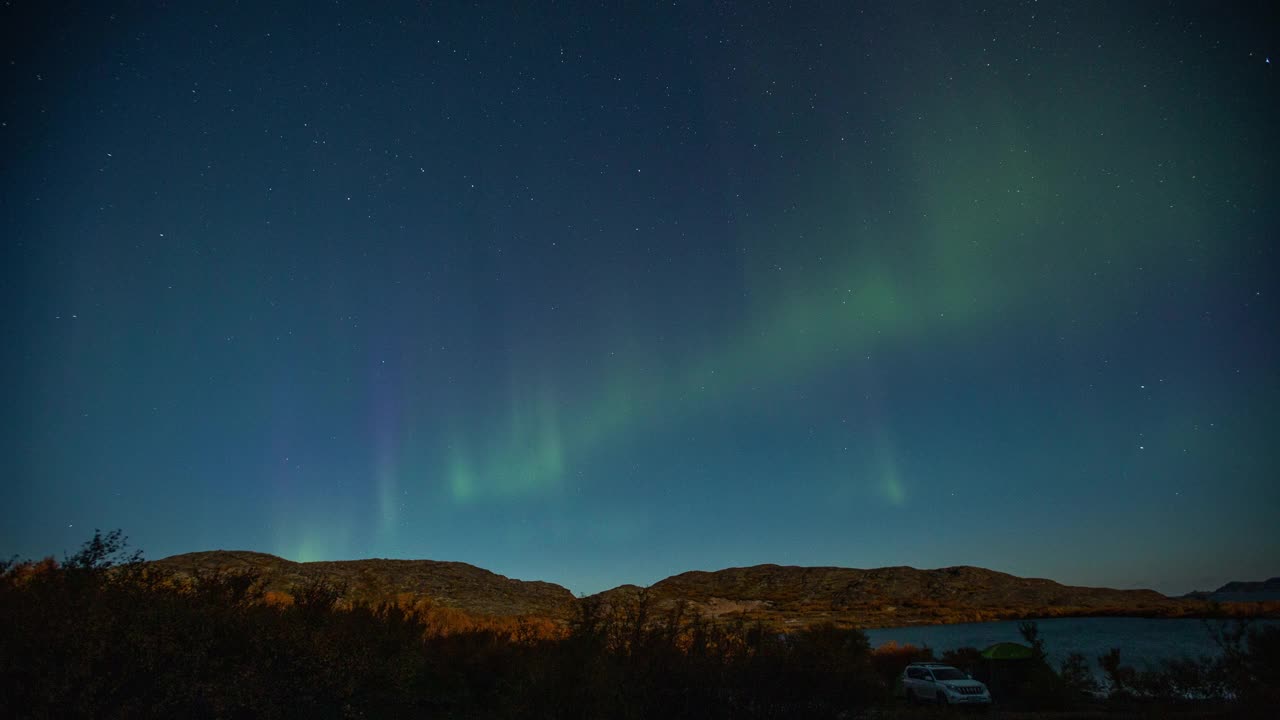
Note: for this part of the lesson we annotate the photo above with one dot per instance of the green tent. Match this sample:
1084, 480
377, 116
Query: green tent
1006, 668
1008, 651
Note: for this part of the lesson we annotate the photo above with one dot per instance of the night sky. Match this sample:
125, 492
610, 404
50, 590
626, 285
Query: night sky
596, 295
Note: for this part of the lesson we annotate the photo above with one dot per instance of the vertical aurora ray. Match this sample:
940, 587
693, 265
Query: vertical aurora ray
386, 476
388, 435
308, 536
522, 457
890, 483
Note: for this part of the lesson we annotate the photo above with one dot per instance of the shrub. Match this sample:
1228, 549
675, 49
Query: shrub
890, 659
968, 659
1120, 678
1078, 676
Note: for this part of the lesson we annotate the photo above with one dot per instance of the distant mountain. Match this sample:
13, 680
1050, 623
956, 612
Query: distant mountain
781, 596
448, 584
1240, 591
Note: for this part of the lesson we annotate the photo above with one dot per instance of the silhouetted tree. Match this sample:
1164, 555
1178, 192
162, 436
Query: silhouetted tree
1030, 632
102, 552
1119, 677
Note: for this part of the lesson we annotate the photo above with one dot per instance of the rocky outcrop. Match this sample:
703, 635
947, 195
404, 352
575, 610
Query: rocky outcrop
787, 595
448, 584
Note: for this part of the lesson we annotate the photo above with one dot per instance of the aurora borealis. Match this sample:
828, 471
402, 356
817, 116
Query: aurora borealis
598, 295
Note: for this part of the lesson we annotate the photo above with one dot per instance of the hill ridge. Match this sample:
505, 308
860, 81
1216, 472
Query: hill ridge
782, 595
448, 583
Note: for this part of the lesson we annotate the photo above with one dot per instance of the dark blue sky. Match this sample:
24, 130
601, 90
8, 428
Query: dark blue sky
597, 295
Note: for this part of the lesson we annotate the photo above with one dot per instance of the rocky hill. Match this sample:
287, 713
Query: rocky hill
782, 596
787, 595
448, 584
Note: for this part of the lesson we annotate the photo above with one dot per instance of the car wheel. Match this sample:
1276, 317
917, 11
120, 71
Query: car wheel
942, 698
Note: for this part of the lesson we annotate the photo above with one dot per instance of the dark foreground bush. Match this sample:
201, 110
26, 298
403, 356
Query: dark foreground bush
101, 635
1246, 672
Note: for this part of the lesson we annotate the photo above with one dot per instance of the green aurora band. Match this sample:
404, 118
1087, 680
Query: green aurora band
1014, 193
1007, 211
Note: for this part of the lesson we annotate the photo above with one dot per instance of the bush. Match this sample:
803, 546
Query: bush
1120, 678
890, 659
1077, 676
103, 635
968, 659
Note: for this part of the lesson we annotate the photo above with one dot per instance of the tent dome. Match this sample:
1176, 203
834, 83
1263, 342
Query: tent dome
1008, 651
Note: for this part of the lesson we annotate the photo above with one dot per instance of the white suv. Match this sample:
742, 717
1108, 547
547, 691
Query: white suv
943, 684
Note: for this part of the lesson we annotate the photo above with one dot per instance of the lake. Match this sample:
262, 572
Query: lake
1143, 642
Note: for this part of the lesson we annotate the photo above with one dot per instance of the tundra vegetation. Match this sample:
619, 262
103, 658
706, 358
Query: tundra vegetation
104, 635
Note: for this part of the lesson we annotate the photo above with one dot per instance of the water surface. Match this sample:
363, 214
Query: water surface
1143, 642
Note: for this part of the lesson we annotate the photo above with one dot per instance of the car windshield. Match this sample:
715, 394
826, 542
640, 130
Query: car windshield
948, 674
